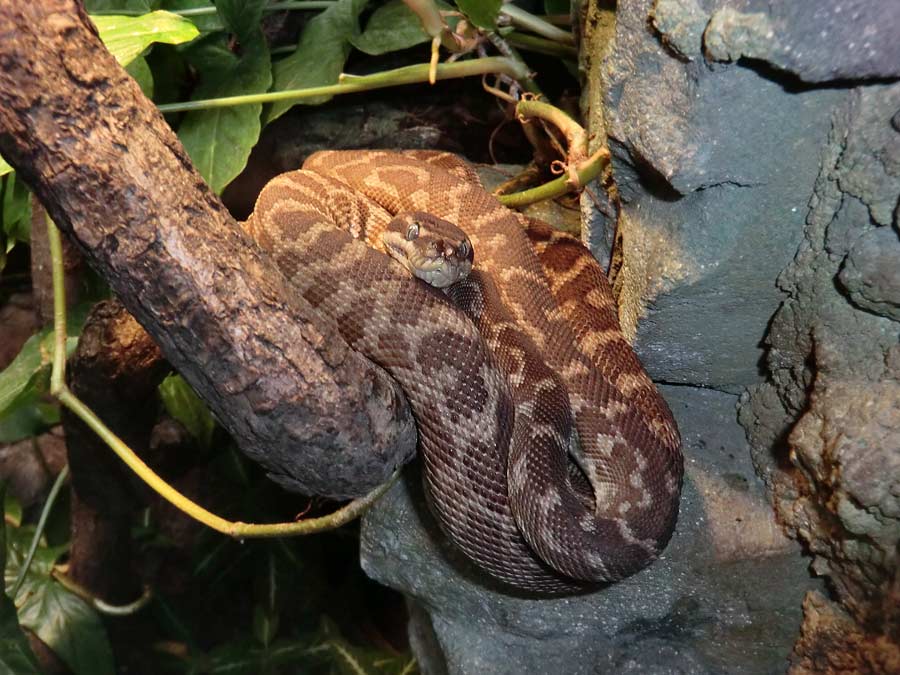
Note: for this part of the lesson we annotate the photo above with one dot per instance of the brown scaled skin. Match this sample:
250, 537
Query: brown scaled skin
433, 250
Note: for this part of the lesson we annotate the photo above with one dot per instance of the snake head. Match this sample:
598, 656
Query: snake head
433, 250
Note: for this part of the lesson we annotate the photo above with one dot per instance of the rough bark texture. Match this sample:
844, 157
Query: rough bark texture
115, 370
114, 177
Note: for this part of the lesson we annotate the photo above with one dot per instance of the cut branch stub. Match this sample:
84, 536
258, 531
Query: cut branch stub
115, 179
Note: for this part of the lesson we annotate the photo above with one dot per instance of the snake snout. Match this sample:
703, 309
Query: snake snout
433, 250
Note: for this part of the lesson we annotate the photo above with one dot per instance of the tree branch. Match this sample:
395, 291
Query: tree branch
116, 180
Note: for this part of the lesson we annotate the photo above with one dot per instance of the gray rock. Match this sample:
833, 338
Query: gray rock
833, 398
711, 210
797, 37
871, 272
696, 610
681, 23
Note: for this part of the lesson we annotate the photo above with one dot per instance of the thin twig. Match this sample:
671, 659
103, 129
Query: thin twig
99, 604
211, 10
586, 171
39, 532
535, 24
353, 83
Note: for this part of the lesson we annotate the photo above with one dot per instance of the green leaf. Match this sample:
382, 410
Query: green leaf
241, 17
16, 657
392, 27
265, 625
18, 375
320, 56
140, 71
185, 406
30, 369
61, 619
482, 13
16, 212
5, 168
127, 36
348, 659
206, 23
219, 140
558, 6
29, 416
12, 511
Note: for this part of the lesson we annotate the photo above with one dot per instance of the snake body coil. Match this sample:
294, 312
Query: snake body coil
550, 459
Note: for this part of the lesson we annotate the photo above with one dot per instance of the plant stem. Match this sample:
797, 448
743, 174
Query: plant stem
429, 15
99, 604
528, 21
587, 171
233, 529
354, 83
576, 137
540, 45
62, 393
58, 369
39, 532
211, 10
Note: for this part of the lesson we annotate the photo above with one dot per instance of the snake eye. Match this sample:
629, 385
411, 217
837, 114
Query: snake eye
463, 249
412, 232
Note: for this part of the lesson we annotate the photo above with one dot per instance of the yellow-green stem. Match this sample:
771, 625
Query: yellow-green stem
528, 21
587, 171
99, 604
58, 369
541, 45
576, 137
39, 531
353, 83
211, 10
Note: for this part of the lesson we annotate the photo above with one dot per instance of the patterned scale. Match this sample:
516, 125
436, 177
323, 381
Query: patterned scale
549, 457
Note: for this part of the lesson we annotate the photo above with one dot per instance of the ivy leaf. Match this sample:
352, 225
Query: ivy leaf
19, 375
241, 17
15, 655
29, 416
140, 71
206, 23
30, 370
482, 13
219, 140
127, 36
185, 406
392, 27
320, 56
15, 215
60, 618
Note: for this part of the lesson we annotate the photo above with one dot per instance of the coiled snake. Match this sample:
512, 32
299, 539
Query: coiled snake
526, 352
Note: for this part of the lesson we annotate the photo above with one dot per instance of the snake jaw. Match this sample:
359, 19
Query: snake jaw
433, 250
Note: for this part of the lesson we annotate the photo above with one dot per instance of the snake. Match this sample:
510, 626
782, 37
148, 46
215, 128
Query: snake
549, 457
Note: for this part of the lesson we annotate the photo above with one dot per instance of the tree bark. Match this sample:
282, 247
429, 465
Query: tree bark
116, 371
115, 179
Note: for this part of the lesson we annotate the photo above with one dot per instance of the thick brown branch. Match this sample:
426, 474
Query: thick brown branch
116, 371
114, 177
